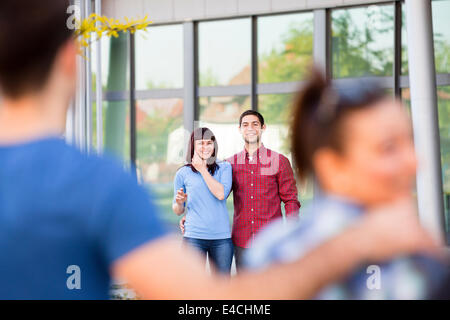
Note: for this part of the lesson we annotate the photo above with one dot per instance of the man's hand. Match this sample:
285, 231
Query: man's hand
181, 197
182, 221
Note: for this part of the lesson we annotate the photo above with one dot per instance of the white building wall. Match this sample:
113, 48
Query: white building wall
167, 11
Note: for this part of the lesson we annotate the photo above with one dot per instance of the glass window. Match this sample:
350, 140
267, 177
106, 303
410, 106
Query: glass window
221, 115
94, 123
362, 41
441, 35
160, 146
285, 47
224, 52
404, 69
116, 49
116, 131
105, 47
159, 57
443, 95
276, 109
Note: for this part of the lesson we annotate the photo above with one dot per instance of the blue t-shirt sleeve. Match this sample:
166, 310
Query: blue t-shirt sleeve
226, 178
129, 218
178, 184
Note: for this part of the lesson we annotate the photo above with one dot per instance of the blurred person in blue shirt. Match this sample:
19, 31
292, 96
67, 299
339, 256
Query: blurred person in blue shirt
71, 222
357, 142
201, 188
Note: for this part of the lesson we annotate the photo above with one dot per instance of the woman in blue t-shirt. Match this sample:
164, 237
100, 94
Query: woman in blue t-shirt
201, 188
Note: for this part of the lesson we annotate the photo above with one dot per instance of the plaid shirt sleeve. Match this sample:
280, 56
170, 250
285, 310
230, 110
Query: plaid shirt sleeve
287, 188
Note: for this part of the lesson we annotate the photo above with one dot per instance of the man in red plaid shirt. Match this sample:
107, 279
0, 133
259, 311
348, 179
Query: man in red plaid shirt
262, 179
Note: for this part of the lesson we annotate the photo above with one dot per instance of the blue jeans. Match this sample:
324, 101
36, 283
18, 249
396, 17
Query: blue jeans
220, 251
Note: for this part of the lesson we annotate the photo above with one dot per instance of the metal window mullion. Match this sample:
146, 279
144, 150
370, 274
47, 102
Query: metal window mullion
321, 56
442, 79
237, 90
254, 62
190, 77
322, 32
99, 86
159, 94
397, 65
88, 79
278, 87
81, 92
132, 101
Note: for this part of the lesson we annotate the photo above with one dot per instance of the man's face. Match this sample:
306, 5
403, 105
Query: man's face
251, 129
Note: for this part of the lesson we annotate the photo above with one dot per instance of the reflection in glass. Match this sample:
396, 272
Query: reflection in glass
363, 41
94, 123
159, 57
105, 47
116, 129
276, 110
160, 146
443, 94
441, 35
405, 69
285, 47
224, 52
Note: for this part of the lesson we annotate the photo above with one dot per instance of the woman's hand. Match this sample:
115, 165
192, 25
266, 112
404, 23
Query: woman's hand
198, 163
181, 197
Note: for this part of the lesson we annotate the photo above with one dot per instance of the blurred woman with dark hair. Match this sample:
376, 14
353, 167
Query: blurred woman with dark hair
357, 143
201, 188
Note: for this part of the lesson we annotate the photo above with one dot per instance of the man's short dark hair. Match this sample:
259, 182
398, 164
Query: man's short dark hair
252, 113
31, 32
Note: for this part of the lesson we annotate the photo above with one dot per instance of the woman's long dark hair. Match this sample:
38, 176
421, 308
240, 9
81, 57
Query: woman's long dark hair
202, 134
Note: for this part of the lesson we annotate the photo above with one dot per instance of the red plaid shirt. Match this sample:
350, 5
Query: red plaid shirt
260, 183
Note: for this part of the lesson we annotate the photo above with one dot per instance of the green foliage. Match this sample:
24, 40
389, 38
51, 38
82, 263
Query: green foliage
152, 136
290, 63
354, 47
208, 78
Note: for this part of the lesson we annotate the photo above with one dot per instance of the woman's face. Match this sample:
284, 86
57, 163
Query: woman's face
204, 148
378, 162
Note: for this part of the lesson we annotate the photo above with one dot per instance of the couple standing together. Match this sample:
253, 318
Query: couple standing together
260, 179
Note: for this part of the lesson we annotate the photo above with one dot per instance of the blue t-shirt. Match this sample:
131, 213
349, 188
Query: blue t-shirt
206, 216
65, 217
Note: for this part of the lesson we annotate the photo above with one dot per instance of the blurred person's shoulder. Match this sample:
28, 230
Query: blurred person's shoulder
287, 240
266, 247
62, 165
89, 166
